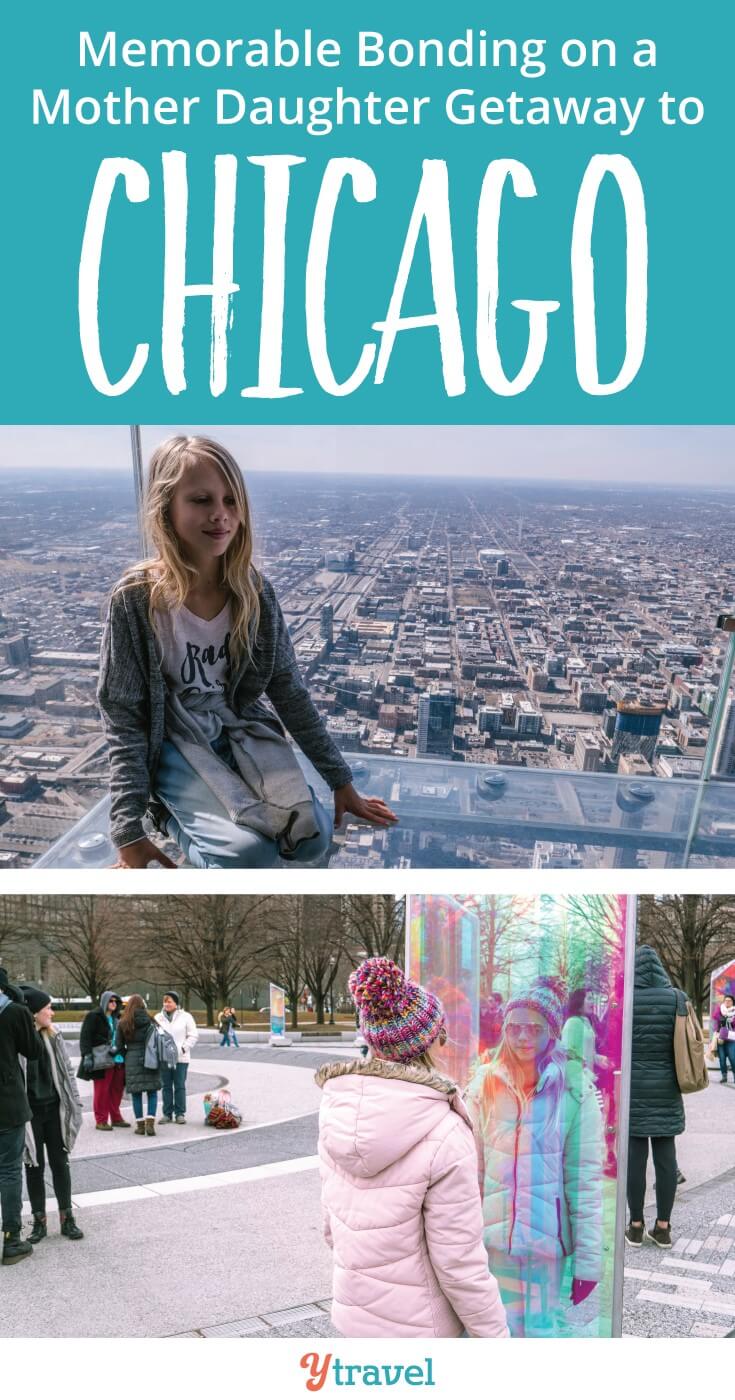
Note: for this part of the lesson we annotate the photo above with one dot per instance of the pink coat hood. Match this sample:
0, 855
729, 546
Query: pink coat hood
402, 1205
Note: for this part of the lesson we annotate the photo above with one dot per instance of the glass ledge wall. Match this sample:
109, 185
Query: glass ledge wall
465, 816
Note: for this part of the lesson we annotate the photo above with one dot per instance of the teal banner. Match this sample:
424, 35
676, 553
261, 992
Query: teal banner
387, 214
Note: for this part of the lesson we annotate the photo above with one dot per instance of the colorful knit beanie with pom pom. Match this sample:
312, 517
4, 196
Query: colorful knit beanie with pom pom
543, 998
398, 1018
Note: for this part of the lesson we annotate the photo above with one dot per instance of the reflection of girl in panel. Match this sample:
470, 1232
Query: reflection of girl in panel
541, 1140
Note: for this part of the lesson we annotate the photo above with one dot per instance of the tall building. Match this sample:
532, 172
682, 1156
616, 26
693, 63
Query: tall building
508, 708
340, 561
555, 663
16, 650
528, 721
536, 677
326, 624
489, 719
608, 722
724, 764
435, 723
587, 753
637, 728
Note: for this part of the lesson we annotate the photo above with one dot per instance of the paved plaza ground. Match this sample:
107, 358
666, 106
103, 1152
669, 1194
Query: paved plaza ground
690, 1289
202, 1233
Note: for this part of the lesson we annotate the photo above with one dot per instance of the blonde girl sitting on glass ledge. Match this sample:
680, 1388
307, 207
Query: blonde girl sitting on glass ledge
198, 679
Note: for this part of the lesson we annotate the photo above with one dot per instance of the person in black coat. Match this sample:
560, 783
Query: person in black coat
656, 1105
99, 1028
17, 1037
133, 1029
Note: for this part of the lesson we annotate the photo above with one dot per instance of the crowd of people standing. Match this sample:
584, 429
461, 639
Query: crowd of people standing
40, 1104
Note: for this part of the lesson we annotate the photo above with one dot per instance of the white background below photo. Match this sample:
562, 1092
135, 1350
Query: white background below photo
483, 1368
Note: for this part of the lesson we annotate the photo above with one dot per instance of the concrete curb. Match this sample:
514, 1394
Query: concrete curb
210, 1036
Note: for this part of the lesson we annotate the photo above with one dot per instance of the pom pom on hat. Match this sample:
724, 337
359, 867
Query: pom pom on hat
377, 985
398, 1018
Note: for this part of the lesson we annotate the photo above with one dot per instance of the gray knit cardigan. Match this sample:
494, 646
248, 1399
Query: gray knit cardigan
132, 699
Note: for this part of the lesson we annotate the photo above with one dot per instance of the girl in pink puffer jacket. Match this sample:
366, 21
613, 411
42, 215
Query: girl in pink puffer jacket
398, 1164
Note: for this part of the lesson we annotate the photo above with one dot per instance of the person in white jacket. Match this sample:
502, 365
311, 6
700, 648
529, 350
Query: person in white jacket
181, 1025
541, 1132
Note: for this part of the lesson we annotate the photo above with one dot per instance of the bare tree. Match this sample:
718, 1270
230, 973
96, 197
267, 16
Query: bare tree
693, 934
507, 933
282, 959
251, 990
64, 990
211, 947
210, 944
374, 926
83, 934
323, 949
15, 936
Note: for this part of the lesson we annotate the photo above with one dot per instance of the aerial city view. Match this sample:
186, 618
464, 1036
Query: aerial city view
541, 630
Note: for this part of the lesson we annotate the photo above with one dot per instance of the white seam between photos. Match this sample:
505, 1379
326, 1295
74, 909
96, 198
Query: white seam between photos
456, 882
119, 1195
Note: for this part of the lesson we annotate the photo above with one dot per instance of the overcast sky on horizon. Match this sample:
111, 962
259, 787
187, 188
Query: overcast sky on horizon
698, 456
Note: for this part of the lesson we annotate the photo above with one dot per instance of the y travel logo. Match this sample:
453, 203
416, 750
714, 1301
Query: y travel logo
328, 1367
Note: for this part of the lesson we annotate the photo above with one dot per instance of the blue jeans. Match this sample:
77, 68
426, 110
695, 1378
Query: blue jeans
225, 1039
137, 1100
726, 1056
173, 1083
12, 1142
206, 834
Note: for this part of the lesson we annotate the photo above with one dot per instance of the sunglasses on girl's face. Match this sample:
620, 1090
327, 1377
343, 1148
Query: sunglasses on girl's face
533, 1032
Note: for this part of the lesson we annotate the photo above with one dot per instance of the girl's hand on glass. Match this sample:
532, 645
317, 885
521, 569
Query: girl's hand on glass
581, 1289
369, 809
138, 855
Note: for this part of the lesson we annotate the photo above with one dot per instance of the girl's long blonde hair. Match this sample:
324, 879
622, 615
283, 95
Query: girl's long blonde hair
167, 573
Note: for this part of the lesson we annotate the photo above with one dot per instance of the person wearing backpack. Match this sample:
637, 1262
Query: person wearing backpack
181, 1026
133, 1030
17, 1037
656, 1105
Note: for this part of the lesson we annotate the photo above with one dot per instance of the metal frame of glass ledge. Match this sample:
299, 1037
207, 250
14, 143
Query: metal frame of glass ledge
466, 815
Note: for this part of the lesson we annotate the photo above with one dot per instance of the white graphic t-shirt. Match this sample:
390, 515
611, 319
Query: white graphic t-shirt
196, 651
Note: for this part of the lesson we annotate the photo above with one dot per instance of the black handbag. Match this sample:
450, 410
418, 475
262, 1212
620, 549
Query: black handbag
103, 1057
